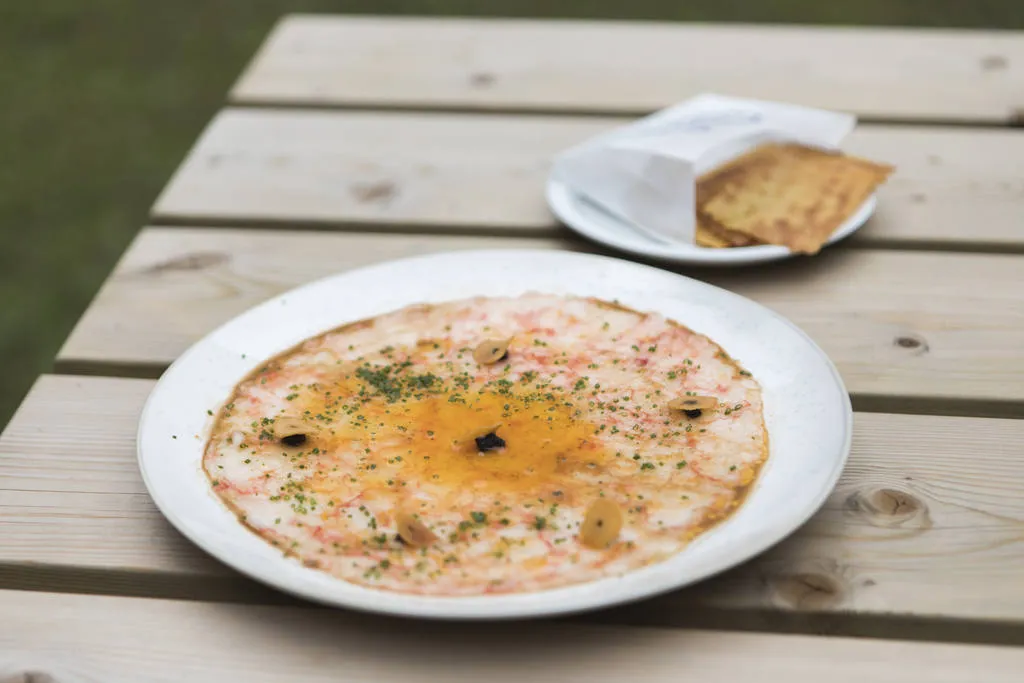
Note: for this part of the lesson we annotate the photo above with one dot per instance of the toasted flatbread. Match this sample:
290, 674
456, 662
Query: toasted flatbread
708, 237
713, 234
710, 233
789, 195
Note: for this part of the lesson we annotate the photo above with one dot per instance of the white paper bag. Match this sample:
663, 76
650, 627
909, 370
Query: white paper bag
645, 172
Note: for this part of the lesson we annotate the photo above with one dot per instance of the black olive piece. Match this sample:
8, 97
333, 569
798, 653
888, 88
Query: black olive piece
692, 414
489, 442
293, 439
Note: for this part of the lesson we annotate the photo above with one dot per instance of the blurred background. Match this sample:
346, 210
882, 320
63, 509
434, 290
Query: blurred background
101, 99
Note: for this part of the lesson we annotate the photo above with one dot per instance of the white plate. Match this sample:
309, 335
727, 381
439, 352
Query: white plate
807, 412
591, 220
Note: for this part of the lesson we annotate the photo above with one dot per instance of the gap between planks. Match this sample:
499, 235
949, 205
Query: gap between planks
911, 543
862, 403
897, 324
861, 242
955, 189
1016, 120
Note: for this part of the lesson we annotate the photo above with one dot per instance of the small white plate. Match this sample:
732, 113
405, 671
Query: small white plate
592, 221
807, 411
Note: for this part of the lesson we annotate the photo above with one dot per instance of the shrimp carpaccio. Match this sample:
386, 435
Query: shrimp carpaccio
323, 449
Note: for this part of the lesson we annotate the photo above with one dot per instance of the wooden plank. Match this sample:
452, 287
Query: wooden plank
956, 188
908, 330
921, 538
73, 639
635, 67
106, 535
192, 276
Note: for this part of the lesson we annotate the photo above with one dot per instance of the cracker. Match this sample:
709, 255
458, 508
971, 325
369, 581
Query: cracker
713, 235
786, 194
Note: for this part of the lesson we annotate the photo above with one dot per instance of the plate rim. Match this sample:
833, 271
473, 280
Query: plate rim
562, 200
453, 607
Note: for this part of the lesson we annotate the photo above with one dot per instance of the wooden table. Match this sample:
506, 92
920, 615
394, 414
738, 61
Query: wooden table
349, 141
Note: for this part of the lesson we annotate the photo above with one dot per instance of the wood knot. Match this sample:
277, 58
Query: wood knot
29, 677
381, 192
994, 63
911, 342
809, 590
481, 79
186, 262
889, 508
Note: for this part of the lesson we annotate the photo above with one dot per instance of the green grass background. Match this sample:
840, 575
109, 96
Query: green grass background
102, 98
